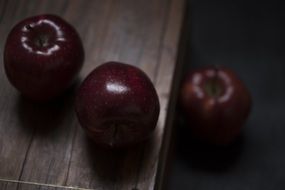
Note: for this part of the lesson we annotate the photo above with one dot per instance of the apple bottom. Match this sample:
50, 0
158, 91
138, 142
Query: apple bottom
118, 133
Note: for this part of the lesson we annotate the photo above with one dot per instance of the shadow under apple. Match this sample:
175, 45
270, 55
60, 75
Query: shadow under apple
118, 167
201, 156
45, 118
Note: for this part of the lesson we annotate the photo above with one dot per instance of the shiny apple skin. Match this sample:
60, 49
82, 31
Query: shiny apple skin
117, 105
215, 119
42, 56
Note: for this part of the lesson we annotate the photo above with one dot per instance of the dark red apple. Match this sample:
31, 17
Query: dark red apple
117, 105
42, 56
216, 104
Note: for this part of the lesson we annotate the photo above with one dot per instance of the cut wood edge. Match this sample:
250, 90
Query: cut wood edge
166, 150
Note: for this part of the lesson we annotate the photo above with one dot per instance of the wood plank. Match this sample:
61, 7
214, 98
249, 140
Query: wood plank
15, 185
12, 157
167, 148
44, 144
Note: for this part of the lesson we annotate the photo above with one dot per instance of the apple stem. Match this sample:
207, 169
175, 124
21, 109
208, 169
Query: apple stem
215, 88
212, 86
42, 41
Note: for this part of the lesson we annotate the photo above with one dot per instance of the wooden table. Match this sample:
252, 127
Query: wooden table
42, 146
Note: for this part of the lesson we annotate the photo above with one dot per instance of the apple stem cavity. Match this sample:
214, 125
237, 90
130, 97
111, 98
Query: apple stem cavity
40, 41
212, 87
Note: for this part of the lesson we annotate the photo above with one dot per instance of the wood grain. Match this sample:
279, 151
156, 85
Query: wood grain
43, 145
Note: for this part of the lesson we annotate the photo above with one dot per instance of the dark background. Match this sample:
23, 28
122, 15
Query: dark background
247, 36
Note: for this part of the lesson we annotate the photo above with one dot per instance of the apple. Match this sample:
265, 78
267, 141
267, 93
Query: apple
117, 105
42, 56
216, 104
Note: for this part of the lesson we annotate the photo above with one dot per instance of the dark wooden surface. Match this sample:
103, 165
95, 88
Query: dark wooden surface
42, 146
